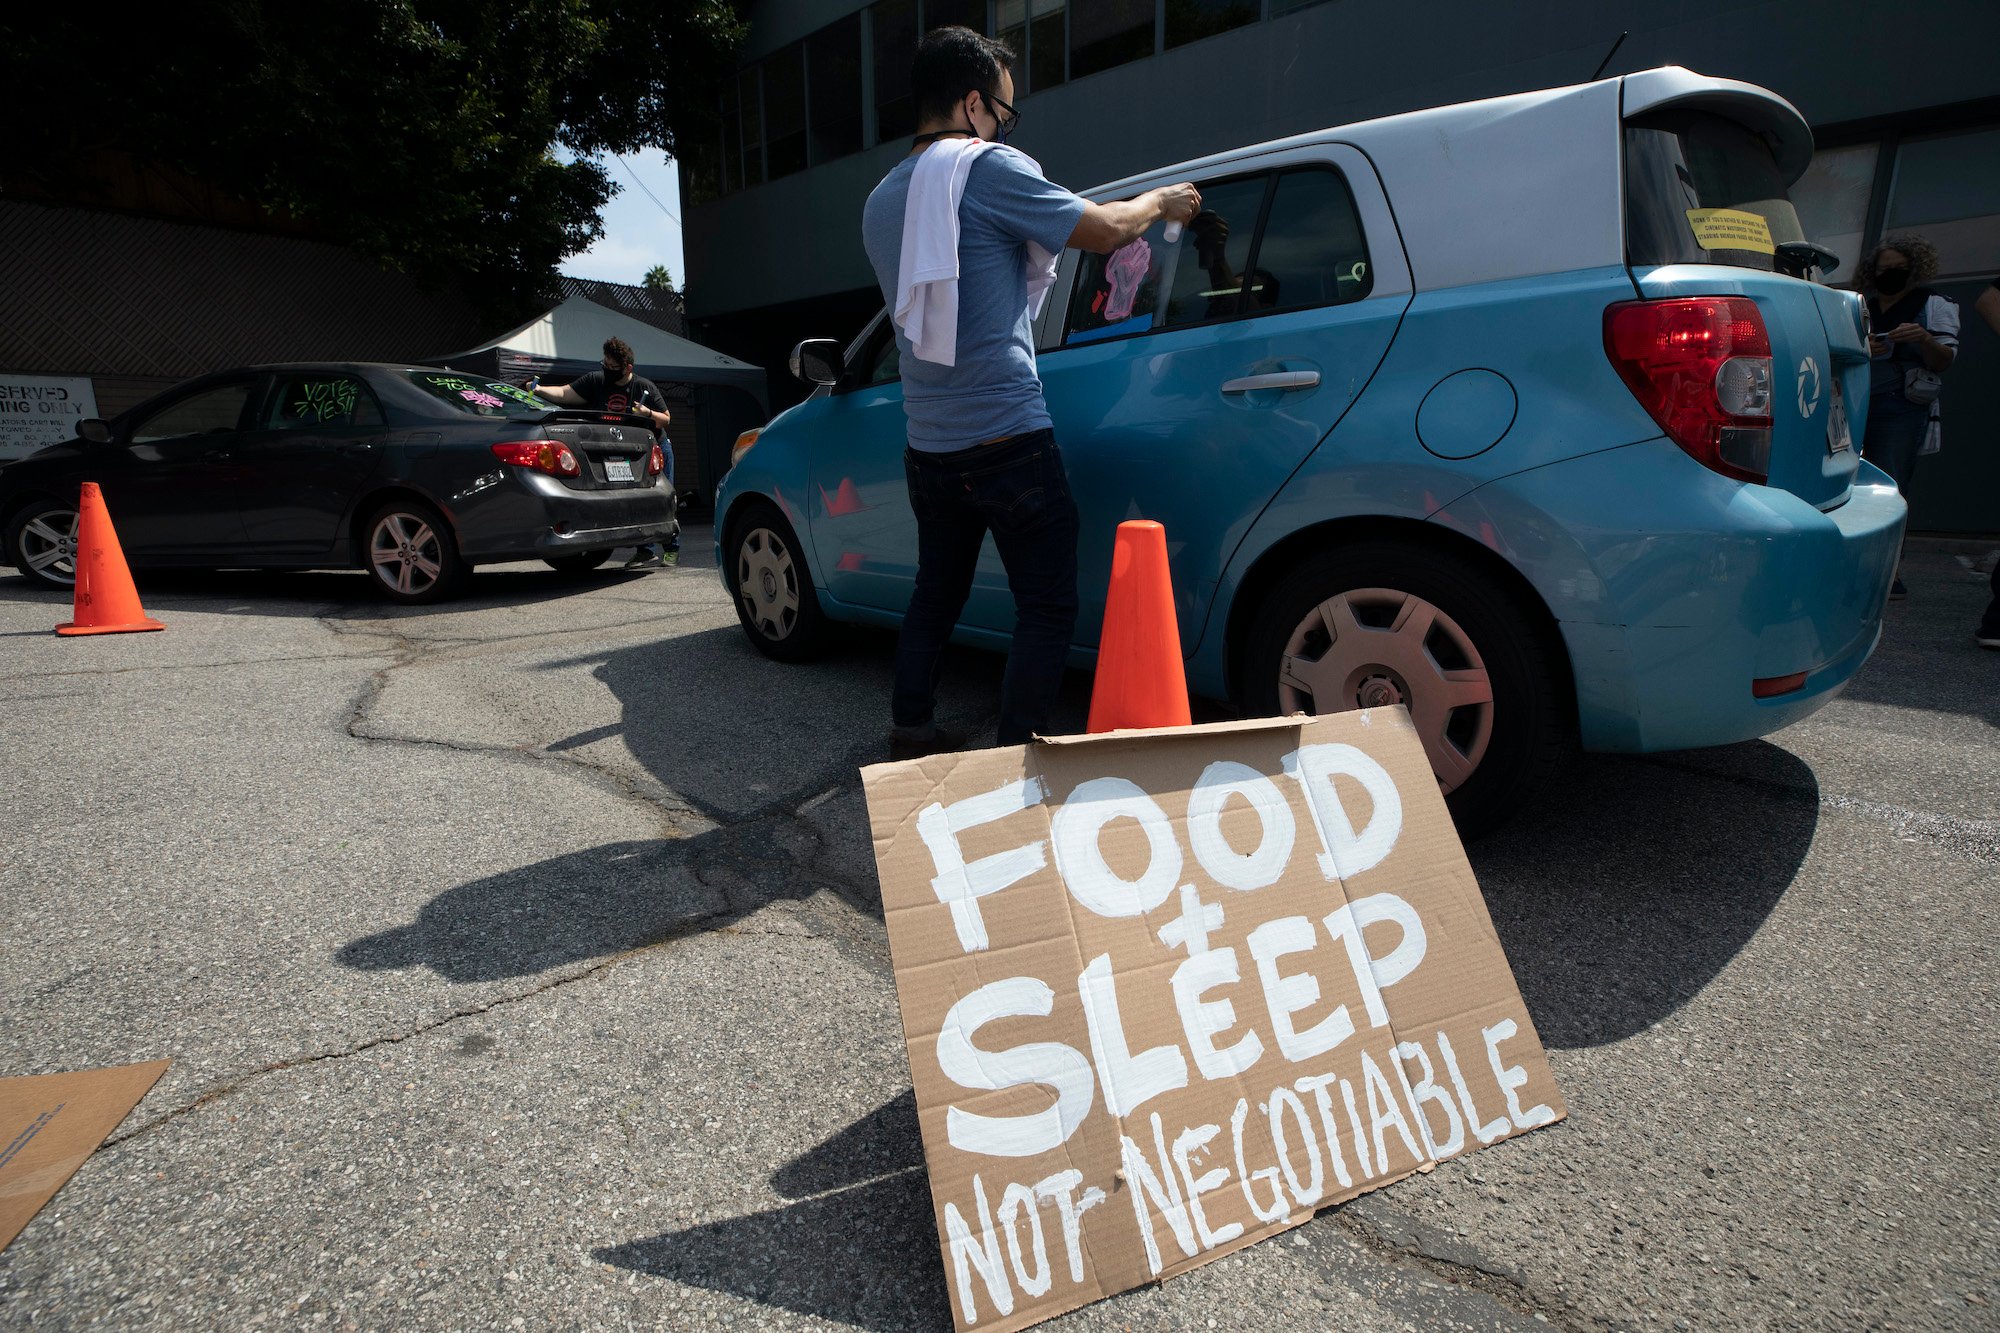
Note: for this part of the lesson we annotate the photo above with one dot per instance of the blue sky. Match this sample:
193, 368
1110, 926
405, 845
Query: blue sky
637, 232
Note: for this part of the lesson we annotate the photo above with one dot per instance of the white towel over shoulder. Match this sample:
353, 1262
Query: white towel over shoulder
926, 308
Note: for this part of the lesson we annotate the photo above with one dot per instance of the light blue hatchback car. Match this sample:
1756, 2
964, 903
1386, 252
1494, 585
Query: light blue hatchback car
1527, 414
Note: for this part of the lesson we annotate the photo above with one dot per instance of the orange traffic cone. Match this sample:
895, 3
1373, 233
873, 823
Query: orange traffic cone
106, 601
1139, 682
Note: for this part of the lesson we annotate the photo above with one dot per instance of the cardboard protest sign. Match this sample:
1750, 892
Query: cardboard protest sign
1169, 993
49, 1125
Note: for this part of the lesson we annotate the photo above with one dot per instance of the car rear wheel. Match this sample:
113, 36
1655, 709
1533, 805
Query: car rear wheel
774, 592
411, 553
573, 565
1375, 624
41, 543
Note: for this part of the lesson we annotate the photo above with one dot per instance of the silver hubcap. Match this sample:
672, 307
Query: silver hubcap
405, 553
767, 583
48, 545
1374, 647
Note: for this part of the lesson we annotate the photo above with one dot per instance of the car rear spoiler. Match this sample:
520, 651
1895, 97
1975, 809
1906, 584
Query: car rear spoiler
580, 414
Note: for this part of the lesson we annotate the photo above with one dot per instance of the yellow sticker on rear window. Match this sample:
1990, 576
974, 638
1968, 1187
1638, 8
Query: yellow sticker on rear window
1731, 229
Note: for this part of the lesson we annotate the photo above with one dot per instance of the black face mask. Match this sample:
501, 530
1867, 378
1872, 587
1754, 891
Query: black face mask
1890, 281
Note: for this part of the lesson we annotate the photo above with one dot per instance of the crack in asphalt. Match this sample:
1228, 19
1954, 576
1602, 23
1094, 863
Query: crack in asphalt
1505, 1288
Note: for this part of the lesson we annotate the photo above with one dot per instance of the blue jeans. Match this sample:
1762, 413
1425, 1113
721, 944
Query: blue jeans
1896, 430
1015, 489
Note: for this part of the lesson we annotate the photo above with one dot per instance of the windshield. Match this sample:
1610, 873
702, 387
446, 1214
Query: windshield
1702, 189
479, 396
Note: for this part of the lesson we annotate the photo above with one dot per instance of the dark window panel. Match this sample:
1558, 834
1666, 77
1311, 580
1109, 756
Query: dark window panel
785, 112
1312, 252
833, 62
750, 169
1287, 6
730, 178
1192, 20
1048, 46
895, 45
1106, 33
955, 13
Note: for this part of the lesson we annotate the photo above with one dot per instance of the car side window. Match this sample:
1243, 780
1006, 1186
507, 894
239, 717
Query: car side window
305, 401
212, 411
878, 360
1312, 252
1150, 284
1212, 275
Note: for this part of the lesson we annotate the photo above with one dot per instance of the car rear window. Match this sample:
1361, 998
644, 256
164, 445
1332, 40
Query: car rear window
478, 396
1702, 189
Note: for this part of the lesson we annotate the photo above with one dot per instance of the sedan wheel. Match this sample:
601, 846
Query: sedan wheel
767, 580
1374, 647
44, 544
774, 592
412, 554
1375, 624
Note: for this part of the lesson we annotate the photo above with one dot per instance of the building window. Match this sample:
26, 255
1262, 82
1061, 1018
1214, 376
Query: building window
1192, 20
1947, 187
1288, 6
785, 112
1831, 200
1037, 31
955, 13
1107, 33
895, 44
750, 162
833, 64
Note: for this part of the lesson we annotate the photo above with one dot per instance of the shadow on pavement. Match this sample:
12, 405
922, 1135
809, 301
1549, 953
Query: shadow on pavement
571, 909
884, 1141
865, 1256
293, 592
1641, 880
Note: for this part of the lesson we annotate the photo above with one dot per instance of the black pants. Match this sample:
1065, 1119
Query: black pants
1017, 490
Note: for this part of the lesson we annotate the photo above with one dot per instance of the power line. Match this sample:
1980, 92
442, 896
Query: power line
642, 186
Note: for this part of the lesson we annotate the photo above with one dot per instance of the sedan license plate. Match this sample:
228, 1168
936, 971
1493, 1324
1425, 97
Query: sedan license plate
617, 469
1837, 434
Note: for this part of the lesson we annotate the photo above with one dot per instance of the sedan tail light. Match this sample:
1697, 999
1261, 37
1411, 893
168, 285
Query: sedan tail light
1701, 367
656, 462
550, 456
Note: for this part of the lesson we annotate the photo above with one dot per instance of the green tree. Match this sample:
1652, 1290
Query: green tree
424, 133
658, 279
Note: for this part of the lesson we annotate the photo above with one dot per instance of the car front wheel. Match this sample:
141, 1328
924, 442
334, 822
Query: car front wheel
411, 553
41, 543
773, 588
1375, 624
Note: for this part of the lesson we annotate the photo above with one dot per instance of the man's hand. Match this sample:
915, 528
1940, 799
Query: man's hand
1907, 333
1178, 203
1106, 227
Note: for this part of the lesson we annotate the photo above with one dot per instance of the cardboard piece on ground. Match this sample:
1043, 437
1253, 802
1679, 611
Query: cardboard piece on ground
1169, 993
49, 1123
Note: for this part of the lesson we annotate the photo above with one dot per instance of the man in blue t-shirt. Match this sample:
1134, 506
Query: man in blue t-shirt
982, 454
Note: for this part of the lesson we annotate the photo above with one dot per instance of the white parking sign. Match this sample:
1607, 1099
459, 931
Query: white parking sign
37, 411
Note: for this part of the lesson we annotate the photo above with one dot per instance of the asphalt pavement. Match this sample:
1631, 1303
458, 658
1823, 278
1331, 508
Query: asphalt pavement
521, 965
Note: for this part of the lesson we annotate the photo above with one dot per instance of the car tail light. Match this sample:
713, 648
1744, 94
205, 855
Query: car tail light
1701, 367
743, 443
1770, 687
548, 456
656, 462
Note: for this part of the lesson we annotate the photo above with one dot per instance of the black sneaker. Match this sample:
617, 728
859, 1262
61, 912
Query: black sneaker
1986, 638
916, 742
645, 560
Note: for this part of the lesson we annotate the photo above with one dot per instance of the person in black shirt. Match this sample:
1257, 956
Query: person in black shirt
1912, 337
1988, 633
614, 387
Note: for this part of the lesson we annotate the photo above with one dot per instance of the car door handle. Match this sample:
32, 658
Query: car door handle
1283, 379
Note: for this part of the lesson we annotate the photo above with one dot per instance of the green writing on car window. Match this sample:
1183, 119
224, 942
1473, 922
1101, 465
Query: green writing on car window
450, 382
517, 394
324, 401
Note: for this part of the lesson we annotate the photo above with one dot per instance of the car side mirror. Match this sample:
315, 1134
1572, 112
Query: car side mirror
95, 431
818, 361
